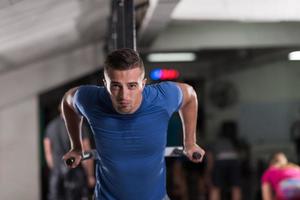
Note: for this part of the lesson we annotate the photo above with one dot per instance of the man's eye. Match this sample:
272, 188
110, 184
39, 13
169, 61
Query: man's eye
115, 86
132, 86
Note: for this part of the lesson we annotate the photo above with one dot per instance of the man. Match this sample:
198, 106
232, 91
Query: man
63, 182
129, 121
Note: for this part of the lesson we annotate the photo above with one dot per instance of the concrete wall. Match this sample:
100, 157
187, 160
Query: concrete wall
19, 119
19, 150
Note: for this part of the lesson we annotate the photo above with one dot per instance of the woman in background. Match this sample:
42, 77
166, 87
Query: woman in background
281, 180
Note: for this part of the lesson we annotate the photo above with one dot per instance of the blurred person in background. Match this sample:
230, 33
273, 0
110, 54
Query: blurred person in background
295, 134
223, 164
281, 180
65, 183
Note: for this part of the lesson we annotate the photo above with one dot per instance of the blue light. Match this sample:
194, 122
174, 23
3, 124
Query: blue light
164, 74
156, 74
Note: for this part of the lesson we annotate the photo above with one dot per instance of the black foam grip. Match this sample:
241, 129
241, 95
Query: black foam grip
196, 155
70, 161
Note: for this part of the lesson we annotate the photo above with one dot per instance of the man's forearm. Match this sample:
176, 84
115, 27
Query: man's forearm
188, 113
73, 123
88, 164
189, 116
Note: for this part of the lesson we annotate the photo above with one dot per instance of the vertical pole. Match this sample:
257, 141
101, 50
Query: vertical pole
130, 32
123, 34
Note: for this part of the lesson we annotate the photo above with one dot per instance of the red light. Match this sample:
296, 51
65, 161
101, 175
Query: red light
164, 74
174, 73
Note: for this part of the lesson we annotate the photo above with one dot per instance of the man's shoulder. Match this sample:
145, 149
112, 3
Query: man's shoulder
90, 88
89, 91
163, 86
89, 96
165, 93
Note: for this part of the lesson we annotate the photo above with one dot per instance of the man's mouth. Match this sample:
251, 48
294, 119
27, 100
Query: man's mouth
124, 103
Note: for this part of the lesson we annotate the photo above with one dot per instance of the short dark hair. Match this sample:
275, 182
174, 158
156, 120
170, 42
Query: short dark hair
123, 59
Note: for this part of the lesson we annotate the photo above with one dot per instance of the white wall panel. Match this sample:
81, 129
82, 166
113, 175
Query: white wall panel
19, 152
19, 131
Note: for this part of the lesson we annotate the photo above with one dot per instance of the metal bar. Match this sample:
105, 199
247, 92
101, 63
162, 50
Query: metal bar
122, 25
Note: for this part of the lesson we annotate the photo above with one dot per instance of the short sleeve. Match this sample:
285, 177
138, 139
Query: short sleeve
84, 97
172, 95
50, 129
266, 177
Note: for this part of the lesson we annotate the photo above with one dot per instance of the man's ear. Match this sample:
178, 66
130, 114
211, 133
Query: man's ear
144, 82
104, 82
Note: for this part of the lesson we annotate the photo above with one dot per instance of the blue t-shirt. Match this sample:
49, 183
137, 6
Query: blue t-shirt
131, 146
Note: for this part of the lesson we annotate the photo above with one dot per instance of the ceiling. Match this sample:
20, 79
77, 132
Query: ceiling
32, 29
238, 10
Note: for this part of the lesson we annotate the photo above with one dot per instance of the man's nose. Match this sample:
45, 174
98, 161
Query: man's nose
124, 93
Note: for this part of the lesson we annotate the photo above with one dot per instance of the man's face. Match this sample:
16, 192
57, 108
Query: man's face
125, 88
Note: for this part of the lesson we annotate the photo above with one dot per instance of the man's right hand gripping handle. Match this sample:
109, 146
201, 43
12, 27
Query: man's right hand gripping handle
73, 158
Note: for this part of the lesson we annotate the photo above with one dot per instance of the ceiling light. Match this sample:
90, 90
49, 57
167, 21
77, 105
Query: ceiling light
295, 55
171, 57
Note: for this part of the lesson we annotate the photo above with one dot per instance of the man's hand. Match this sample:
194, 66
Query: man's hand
192, 149
75, 155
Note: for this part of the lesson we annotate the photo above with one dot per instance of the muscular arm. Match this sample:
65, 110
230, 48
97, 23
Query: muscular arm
188, 113
73, 122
